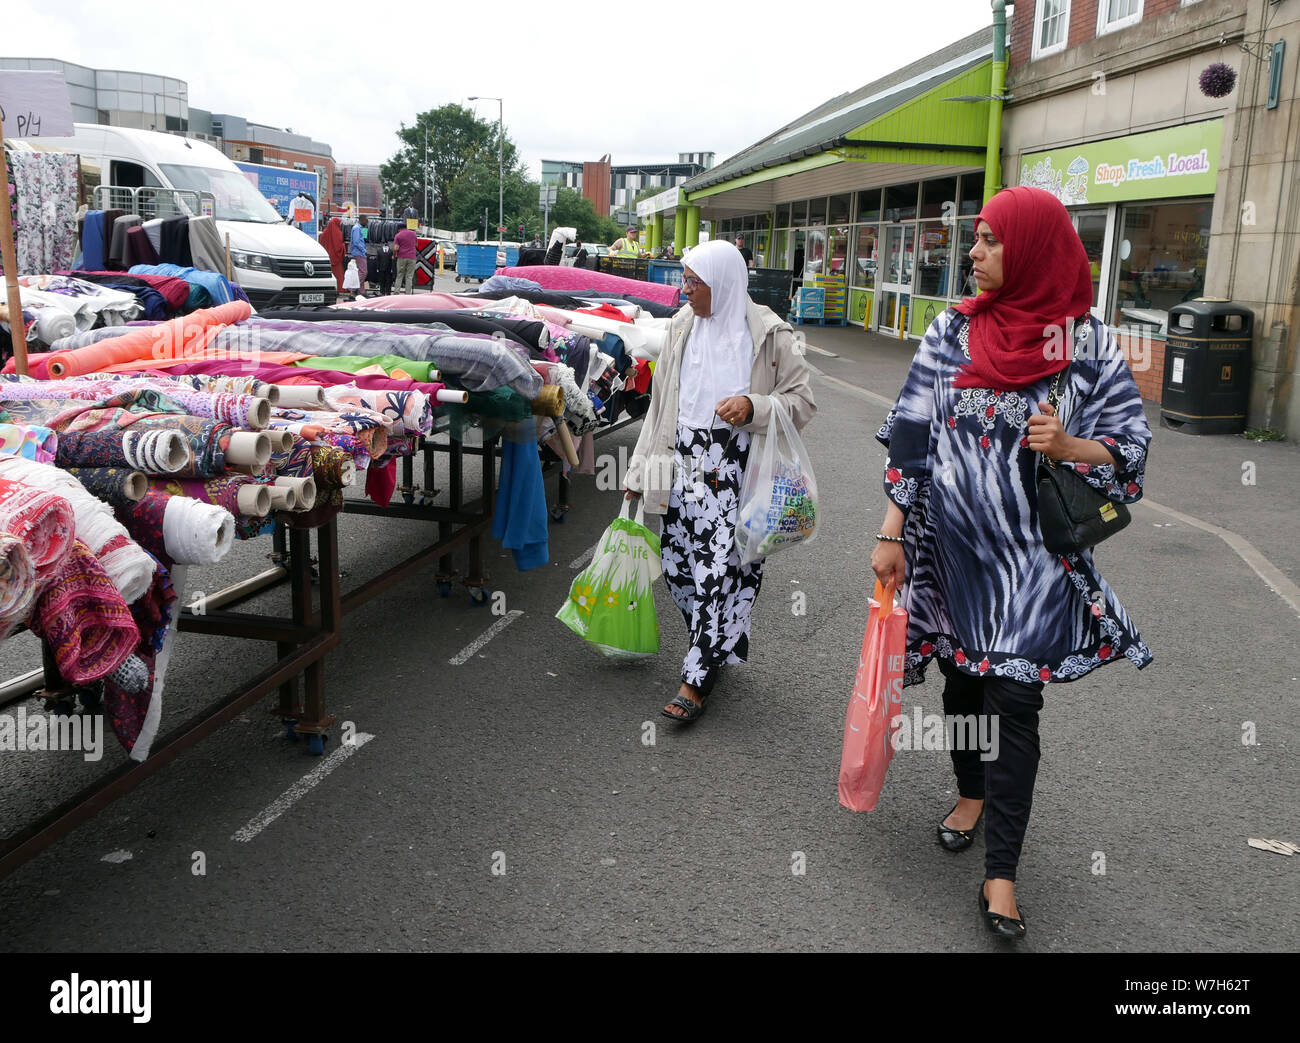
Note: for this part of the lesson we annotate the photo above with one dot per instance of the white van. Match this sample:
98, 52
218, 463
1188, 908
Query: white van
275, 263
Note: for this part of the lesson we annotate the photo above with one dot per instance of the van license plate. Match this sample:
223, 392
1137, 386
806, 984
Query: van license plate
311, 298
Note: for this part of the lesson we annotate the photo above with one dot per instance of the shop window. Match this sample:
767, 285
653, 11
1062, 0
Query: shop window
1117, 14
838, 213
817, 211
837, 249
865, 255
1162, 252
972, 194
934, 194
799, 214
869, 205
814, 262
900, 202
1051, 27
964, 284
934, 260
783, 216
780, 250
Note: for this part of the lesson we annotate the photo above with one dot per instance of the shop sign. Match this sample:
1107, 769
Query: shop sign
34, 104
657, 204
280, 186
1180, 161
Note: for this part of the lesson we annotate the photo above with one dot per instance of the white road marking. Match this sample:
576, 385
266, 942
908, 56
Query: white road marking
584, 557
465, 654
117, 857
1244, 549
821, 351
1272, 576
301, 788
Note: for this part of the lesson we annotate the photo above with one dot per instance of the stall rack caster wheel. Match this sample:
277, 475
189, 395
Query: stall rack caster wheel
479, 595
316, 744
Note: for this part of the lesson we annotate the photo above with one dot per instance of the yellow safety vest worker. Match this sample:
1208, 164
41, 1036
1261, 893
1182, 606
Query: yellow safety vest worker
626, 247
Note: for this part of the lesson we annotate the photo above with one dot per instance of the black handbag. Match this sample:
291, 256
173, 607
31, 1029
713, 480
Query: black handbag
1072, 515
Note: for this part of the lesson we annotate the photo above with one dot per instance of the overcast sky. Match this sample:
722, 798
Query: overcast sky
577, 77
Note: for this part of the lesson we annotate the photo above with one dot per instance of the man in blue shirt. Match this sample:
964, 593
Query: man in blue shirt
357, 247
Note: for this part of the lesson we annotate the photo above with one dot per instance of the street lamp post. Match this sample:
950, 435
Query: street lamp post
501, 170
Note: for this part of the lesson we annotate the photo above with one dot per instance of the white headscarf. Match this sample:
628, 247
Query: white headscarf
719, 353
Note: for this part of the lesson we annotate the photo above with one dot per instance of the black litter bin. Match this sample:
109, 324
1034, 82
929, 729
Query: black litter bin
1206, 388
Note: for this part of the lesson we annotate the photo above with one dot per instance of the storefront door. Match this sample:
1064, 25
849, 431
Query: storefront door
1092, 226
895, 293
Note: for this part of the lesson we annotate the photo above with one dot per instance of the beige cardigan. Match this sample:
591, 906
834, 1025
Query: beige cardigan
779, 372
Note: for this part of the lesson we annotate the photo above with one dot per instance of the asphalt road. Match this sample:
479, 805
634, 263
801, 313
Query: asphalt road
515, 802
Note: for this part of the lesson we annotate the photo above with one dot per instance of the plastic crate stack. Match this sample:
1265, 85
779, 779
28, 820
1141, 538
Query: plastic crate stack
834, 298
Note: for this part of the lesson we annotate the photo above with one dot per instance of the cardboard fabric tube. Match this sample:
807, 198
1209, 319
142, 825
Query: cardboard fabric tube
249, 448
448, 395
281, 440
136, 486
283, 498
254, 501
177, 452
298, 396
564, 438
271, 393
304, 489
259, 413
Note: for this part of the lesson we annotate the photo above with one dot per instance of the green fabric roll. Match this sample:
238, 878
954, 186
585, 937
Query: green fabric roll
418, 371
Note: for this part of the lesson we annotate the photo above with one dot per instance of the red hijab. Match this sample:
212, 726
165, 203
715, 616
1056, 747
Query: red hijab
1046, 282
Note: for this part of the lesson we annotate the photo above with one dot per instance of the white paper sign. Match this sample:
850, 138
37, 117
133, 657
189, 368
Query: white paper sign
34, 104
1177, 376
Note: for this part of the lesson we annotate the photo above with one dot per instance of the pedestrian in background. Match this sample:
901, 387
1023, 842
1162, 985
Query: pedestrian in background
1002, 615
745, 251
332, 240
727, 364
628, 246
407, 258
357, 247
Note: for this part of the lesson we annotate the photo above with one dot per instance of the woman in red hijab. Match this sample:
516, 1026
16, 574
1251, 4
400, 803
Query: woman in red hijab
1003, 616
332, 240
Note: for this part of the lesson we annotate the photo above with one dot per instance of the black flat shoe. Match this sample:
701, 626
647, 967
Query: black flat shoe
957, 839
1003, 926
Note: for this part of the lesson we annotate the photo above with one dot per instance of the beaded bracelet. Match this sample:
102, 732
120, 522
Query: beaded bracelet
890, 539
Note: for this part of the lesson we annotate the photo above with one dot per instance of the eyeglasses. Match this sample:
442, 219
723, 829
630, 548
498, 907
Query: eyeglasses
690, 283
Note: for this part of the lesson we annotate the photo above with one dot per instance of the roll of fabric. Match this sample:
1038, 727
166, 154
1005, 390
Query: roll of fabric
53, 324
549, 402
220, 492
183, 337
18, 586
241, 410
92, 239
332, 468
130, 568
575, 280
197, 533
83, 619
119, 486
139, 247
30, 441
135, 448
203, 443
43, 520
408, 410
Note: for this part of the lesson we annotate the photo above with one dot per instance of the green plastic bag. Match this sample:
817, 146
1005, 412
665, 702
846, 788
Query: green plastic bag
611, 605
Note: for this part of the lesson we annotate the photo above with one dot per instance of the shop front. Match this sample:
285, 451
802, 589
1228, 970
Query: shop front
1143, 205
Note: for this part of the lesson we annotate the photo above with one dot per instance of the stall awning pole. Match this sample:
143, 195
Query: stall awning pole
17, 327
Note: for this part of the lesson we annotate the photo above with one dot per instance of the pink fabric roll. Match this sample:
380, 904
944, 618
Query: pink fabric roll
416, 302
568, 280
43, 520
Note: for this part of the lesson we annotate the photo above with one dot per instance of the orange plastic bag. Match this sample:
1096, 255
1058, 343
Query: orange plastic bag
875, 704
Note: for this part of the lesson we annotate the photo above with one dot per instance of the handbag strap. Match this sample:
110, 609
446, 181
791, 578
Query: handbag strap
1054, 393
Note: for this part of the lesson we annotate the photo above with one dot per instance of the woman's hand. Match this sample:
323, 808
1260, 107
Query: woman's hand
889, 563
736, 410
1047, 434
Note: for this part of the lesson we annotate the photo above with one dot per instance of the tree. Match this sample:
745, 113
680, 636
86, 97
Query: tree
455, 137
575, 210
475, 190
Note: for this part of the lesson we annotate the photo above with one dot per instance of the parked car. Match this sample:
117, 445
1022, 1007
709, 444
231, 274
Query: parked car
448, 254
594, 251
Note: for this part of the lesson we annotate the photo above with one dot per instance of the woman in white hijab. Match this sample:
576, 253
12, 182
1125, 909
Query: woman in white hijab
725, 363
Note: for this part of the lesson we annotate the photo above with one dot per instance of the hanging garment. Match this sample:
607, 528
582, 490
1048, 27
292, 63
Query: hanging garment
520, 520
44, 209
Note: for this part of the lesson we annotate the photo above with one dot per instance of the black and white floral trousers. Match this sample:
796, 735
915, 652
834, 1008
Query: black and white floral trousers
714, 592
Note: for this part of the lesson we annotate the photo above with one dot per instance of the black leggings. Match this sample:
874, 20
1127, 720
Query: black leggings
1006, 784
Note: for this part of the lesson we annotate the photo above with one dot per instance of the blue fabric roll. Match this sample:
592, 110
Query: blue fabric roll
92, 241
